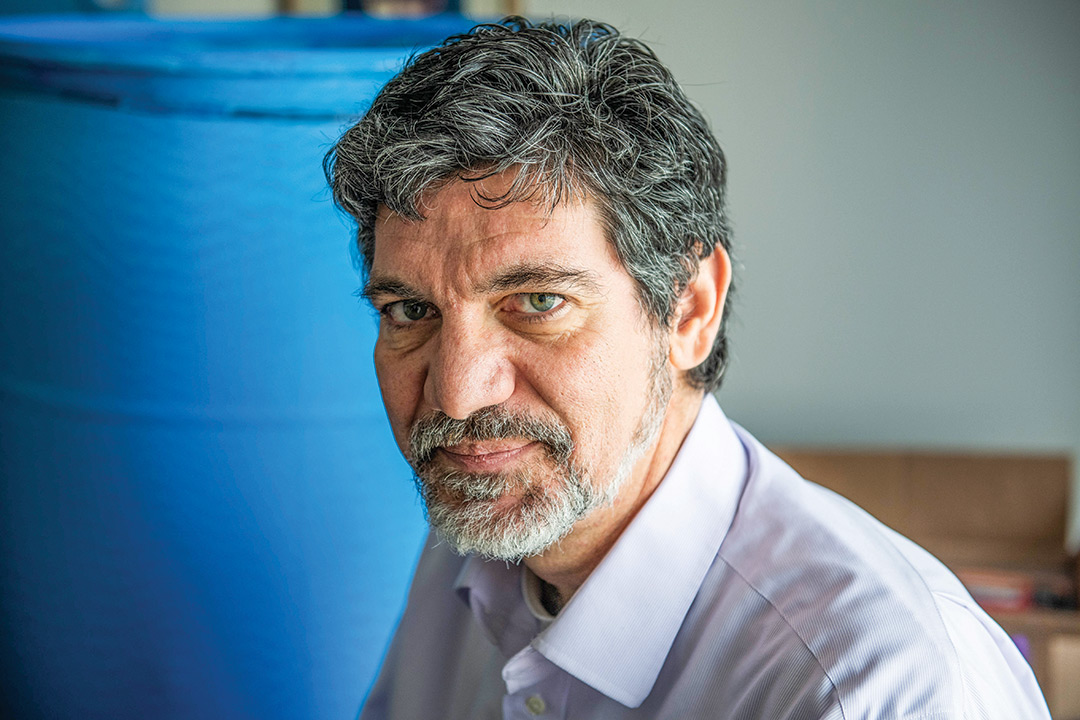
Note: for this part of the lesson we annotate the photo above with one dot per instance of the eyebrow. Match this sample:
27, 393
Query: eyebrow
376, 287
538, 275
541, 276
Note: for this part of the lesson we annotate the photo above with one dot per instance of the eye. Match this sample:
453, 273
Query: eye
406, 311
536, 303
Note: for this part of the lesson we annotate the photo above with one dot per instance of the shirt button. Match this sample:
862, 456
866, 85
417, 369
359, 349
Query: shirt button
536, 705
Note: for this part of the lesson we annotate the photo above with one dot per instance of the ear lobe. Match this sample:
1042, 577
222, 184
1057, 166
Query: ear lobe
699, 312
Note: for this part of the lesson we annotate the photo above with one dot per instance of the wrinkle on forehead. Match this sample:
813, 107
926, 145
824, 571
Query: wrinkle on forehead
472, 248
491, 188
492, 192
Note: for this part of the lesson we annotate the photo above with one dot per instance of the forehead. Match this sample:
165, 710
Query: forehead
461, 243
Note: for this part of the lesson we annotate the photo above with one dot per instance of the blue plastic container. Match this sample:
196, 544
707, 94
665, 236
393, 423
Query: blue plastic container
203, 513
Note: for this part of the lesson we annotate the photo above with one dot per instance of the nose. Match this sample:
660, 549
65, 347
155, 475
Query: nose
469, 370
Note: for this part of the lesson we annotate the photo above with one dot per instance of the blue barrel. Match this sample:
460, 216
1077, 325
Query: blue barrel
203, 512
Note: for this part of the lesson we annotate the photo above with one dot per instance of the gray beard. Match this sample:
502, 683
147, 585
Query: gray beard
540, 518
461, 506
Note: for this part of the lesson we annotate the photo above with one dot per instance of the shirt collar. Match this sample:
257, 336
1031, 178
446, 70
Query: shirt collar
492, 590
617, 630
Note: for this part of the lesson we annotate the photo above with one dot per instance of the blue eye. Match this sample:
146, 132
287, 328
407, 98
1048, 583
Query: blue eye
542, 302
407, 311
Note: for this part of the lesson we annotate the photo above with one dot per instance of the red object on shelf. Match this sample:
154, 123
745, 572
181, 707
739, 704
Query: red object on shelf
999, 590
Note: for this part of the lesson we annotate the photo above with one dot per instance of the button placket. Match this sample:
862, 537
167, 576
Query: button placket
535, 705
546, 700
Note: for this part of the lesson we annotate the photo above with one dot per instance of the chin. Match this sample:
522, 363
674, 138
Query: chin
506, 518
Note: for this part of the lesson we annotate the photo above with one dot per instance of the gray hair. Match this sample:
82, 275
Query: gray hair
579, 112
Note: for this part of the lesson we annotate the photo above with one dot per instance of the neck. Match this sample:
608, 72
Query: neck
550, 598
567, 564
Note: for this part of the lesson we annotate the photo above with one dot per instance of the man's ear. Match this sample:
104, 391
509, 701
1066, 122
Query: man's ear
699, 312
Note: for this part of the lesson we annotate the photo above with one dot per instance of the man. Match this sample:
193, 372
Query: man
541, 220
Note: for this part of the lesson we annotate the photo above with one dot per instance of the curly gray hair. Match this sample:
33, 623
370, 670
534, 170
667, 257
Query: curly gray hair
578, 111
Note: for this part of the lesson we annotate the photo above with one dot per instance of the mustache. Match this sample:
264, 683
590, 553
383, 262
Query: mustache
490, 423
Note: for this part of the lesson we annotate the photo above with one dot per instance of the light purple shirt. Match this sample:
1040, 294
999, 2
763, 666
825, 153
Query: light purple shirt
740, 590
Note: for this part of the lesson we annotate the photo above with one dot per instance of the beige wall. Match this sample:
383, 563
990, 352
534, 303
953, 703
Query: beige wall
219, 8
264, 8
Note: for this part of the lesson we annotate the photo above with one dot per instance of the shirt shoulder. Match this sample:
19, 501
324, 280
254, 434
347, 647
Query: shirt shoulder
881, 627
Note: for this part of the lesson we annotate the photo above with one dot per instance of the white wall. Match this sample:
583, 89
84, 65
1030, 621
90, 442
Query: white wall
905, 185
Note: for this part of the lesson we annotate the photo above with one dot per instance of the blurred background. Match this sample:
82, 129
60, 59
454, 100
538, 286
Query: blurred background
203, 514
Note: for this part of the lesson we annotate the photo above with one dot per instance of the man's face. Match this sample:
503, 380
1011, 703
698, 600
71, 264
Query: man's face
521, 378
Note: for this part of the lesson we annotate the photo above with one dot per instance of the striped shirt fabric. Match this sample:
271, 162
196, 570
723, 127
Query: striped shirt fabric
740, 591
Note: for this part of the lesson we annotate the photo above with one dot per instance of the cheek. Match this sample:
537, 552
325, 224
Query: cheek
401, 387
592, 385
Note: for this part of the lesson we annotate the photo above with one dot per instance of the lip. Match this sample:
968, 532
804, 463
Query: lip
487, 456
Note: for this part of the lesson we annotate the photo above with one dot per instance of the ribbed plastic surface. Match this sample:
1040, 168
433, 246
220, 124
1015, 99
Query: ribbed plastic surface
203, 512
